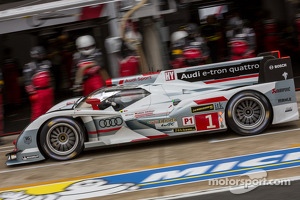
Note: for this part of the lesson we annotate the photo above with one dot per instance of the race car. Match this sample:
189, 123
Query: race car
245, 95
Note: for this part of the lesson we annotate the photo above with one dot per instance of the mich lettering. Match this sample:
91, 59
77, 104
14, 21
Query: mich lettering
215, 167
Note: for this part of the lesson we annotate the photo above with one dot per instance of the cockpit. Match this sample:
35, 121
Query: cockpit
118, 97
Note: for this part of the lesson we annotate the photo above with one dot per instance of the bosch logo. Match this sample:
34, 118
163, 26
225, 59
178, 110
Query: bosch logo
271, 67
280, 65
112, 122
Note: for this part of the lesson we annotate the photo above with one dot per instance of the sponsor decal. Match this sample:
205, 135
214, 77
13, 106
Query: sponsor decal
288, 109
166, 125
202, 108
282, 65
279, 90
285, 75
128, 116
159, 177
29, 157
219, 72
188, 121
111, 122
136, 79
27, 139
143, 113
219, 106
166, 120
288, 99
170, 75
157, 121
153, 122
177, 130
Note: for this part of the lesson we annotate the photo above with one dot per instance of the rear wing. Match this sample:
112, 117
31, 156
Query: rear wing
275, 68
267, 67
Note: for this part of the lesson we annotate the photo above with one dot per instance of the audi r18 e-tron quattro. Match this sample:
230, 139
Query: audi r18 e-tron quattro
244, 95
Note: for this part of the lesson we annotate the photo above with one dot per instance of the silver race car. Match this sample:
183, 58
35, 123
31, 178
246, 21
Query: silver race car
244, 95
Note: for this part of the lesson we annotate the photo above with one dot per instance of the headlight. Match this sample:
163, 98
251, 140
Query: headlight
12, 156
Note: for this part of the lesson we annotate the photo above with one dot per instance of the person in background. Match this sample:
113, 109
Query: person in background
56, 58
12, 89
89, 74
1, 108
129, 62
38, 82
211, 31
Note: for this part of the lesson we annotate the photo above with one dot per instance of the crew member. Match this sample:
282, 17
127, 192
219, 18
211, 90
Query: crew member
11, 88
241, 40
1, 109
211, 31
88, 66
38, 82
129, 64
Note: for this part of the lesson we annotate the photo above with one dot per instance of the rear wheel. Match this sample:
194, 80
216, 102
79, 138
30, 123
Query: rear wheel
248, 113
62, 139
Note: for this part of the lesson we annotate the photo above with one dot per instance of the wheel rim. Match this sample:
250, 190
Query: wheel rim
62, 139
248, 113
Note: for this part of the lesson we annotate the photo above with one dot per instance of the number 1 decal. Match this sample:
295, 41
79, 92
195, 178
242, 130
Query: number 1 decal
207, 121
210, 122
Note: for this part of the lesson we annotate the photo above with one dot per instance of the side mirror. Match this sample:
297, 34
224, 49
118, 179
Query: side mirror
94, 102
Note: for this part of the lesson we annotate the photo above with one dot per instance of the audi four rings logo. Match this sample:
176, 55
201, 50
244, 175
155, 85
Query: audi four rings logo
111, 122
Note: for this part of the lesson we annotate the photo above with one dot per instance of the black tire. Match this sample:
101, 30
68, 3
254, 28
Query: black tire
62, 139
248, 113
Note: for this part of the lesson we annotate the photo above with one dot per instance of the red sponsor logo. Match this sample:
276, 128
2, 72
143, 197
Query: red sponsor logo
169, 75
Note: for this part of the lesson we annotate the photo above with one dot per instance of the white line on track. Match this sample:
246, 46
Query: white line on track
239, 138
8, 147
6, 150
49, 165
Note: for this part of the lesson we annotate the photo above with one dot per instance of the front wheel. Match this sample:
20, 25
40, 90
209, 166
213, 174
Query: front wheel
248, 113
62, 139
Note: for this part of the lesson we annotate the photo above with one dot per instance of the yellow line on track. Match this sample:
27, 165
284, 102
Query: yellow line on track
63, 181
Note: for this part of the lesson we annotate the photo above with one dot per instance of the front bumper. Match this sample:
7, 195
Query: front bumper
25, 156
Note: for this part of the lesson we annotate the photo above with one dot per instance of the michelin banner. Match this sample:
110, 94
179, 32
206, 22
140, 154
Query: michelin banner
158, 177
